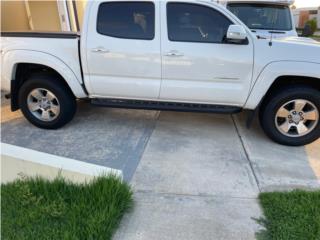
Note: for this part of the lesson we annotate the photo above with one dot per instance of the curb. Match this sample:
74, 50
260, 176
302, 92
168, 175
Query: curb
17, 161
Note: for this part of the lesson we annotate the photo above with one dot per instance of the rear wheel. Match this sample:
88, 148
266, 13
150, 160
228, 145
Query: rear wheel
46, 102
291, 116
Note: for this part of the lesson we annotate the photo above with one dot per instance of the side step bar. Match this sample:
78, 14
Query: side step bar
165, 106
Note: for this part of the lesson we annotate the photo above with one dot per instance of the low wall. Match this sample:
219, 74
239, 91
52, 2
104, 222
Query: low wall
17, 161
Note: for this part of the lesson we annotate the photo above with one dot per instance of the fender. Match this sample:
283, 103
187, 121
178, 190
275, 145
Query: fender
275, 70
12, 58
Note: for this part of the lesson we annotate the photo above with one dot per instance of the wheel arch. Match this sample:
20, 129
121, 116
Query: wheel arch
20, 64
279, 75
285, 81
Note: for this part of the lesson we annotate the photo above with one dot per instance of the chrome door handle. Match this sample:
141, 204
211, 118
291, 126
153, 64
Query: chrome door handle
174, 54
100, 50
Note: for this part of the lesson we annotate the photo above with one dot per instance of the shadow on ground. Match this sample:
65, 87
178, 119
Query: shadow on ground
109, 137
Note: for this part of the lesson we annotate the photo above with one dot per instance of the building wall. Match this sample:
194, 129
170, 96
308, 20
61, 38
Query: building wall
304, 17
296, 16
14, 16
45, 15
81, 5
301, 16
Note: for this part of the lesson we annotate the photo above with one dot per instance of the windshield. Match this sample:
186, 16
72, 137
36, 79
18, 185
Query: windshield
263, 16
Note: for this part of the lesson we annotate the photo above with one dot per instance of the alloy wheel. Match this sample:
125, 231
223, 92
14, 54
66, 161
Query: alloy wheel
297, 118
43, 104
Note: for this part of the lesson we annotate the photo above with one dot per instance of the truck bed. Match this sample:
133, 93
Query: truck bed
62, 46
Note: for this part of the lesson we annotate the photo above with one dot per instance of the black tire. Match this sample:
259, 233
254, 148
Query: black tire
68, 104
273, 103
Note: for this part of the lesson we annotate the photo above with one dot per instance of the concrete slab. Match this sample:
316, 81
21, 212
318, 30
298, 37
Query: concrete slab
172, 217
279, 167
195, 154
109, 137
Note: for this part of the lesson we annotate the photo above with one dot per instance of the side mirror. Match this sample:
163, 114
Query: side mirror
237, 34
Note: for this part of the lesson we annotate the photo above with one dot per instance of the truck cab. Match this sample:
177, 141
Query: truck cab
265, 18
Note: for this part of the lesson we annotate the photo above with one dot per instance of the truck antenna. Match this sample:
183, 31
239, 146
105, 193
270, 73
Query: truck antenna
271, 39
272, 30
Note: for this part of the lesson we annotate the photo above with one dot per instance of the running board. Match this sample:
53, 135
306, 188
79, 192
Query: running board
165, 106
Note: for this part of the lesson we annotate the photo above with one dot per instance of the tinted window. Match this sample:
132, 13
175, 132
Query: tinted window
196, 23
133, 20
263, 16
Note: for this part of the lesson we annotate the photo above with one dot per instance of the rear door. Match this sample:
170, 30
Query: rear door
198, 65
123, 50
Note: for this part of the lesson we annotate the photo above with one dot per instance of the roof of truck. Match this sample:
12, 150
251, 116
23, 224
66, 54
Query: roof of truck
281, 2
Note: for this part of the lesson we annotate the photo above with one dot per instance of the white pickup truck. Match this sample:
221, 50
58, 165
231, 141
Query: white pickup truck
182, 55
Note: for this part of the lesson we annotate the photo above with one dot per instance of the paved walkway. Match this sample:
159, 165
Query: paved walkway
195, 176
200, 176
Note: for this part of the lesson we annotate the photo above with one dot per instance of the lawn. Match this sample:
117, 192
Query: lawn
292, 215
315, 37
41, 209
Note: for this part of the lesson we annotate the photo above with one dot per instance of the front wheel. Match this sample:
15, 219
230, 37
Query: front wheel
46, 102
291, 116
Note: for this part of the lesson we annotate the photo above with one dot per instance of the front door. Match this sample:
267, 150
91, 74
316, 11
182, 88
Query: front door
123, 50
198, 66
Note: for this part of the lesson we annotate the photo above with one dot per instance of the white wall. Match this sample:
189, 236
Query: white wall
296, 16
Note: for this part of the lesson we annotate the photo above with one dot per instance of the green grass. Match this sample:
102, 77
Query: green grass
316, 38
291, 215
41, 209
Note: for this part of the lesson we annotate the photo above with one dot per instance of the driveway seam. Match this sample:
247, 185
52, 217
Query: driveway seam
129, 179
193, 195
246, 153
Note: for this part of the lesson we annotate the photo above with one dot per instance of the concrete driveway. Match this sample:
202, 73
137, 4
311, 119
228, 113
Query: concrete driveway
195, 176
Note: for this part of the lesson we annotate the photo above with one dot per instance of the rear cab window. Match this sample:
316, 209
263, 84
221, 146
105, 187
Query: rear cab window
129, 20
